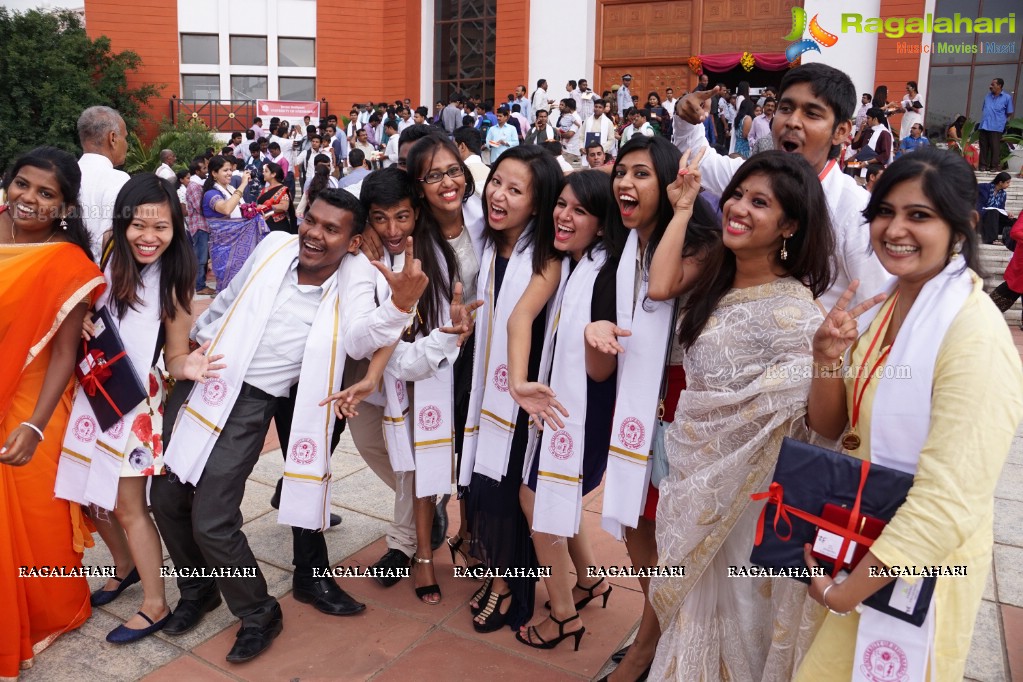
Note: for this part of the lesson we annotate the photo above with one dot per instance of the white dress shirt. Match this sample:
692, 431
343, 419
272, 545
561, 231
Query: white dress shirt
166, 172
277, 362
368, 324
101, 183
852, 258
604, 127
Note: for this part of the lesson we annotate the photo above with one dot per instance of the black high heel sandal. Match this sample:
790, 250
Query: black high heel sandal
481, 596
428, 589
539, 643
493, 619
456, 551
586, 600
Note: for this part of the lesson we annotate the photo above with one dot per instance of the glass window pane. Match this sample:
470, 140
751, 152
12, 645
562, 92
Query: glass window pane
982, 77
200, 87
298, 89
1003, 46
948, 9
948, 86
248, 87
248, 51
445, 65
199, 49
296, 52
446, 10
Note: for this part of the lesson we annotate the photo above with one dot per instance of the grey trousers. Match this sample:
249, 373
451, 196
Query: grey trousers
368, 433
202, 524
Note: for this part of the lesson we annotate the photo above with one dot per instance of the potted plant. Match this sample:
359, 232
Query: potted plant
1013, 139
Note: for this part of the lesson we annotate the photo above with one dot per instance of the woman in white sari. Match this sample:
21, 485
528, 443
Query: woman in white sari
746, 329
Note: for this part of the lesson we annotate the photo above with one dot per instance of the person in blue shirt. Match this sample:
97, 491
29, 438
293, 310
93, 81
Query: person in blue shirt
914, 140
502, 136
997, 111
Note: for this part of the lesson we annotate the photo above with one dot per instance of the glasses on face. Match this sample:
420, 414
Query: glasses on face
433, 177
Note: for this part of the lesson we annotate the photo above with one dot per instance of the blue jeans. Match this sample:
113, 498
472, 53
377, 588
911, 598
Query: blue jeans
201, 244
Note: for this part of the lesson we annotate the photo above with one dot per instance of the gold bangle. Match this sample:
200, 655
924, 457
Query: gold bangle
829, 370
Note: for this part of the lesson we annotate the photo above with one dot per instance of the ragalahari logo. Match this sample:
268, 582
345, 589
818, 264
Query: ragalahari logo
818, 36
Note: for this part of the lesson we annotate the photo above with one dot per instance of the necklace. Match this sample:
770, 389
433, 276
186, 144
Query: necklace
14, 238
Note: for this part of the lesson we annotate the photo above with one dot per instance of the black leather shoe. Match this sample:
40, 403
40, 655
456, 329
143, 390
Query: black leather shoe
439, 530
392, 561
335, 520
252, 640
189, 613
326, 597
275, 499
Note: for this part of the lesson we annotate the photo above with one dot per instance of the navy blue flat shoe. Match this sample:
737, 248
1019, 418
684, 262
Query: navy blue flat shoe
125, 635
101, 597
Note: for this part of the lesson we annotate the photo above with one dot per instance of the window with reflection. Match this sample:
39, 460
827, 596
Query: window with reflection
464, 47
248, 51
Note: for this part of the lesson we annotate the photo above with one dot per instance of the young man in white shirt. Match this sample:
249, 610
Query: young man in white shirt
599, 127
584, 102
539, 101
525, 106
569, 125
669, 101
469, 142
391, 149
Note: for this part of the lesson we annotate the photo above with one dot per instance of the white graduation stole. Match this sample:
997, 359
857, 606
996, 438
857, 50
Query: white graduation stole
305, 495
639, 379
558, 507
89, 470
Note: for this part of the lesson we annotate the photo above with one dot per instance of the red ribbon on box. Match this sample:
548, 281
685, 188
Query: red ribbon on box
99, 372
775, 495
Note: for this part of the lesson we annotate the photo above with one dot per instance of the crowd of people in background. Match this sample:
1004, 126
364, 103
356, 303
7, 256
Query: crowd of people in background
514, 303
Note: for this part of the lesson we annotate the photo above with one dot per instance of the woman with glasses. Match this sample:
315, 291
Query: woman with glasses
451, 220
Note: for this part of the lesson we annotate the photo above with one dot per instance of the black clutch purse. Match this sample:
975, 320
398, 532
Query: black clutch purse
809, 478
106, 373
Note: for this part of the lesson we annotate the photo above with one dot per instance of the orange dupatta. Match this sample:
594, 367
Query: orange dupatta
39, 285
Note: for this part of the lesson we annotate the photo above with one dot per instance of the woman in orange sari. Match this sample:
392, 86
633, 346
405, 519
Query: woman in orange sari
47, 282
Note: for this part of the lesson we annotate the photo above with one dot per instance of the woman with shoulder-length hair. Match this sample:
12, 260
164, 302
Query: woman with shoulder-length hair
748, 320
149, 267
47, 283
518, 200
938, 323
276, 201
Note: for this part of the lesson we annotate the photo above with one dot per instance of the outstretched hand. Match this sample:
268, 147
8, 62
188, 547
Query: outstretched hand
683, 191
839, 329
539, 403
345, 401
693, 107
603, 336
409, 283
199, 367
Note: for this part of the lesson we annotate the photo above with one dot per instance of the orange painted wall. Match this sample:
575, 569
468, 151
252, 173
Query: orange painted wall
150, 29
511, 67
894, 69
367, 51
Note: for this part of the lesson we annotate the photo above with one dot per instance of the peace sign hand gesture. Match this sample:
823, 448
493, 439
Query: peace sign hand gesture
683, 191
463, 322
408, 284
839, 329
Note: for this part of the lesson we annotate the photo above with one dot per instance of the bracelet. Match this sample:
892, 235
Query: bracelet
402, 310
829, 370
824, 600
39, 432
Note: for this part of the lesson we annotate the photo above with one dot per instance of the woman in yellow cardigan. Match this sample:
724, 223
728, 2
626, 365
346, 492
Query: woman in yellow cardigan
933, 388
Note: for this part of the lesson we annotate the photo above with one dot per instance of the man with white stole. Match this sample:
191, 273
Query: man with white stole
279, 318
381, 304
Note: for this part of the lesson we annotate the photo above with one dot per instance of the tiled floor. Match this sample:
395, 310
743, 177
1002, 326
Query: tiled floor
399, 638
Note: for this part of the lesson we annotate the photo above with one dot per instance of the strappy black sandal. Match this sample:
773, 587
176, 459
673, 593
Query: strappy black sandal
456, 551
427, 590
493, 619
586, 600
481, 596
533, 638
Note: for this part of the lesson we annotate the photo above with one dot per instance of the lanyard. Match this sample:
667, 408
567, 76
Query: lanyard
851, 441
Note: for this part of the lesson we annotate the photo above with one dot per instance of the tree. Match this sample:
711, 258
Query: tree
51, 71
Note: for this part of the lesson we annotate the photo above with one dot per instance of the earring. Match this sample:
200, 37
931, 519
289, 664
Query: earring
63, 224
956, 250
784, 255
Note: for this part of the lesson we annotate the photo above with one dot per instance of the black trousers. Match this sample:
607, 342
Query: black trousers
309, 547
992, 224
990, 146
202, 524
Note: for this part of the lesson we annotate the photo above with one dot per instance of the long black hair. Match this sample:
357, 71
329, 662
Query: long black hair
703, 230
216, 163
948, 181
177, 264
69, 179
547, 180
429, 241
800, 195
